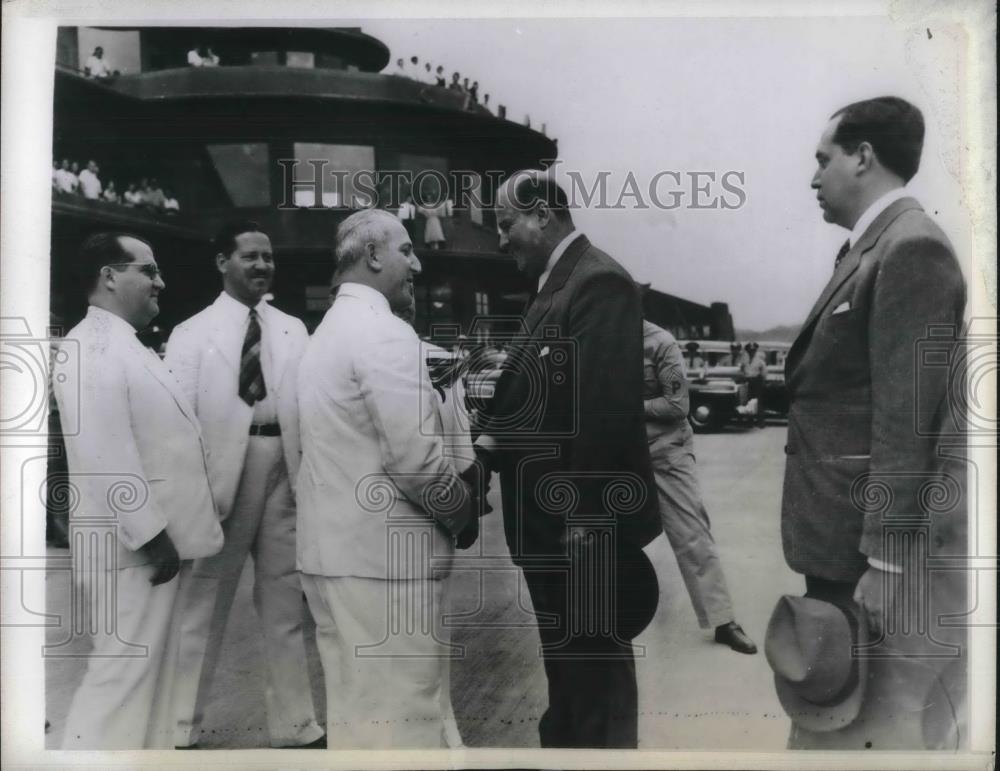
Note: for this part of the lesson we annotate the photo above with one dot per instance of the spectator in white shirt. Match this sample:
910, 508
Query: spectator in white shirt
110, 194
170, 204
133, 196
210, 59
196, 57
66, 180
90, 183
96, 66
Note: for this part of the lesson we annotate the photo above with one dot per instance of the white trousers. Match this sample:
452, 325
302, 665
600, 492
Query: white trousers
262, 524
126, 698
385, 661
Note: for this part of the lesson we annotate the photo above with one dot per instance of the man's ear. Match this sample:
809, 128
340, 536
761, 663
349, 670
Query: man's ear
220, 261
866, 157
543, 213
371, 258
108, 277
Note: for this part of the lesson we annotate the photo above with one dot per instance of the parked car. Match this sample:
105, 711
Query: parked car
775, 391
484, 368
719, 390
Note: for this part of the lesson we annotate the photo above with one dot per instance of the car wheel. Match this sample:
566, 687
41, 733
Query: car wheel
704, 418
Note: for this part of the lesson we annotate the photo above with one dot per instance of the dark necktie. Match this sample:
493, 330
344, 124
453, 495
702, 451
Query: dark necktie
842, 253
252, 387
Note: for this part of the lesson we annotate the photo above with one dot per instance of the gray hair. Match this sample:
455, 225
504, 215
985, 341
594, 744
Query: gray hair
356, 232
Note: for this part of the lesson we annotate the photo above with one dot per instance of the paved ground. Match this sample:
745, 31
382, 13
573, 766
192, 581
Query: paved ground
693, 693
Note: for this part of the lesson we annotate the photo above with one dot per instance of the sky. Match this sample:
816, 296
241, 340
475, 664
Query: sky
685, 95
658, 100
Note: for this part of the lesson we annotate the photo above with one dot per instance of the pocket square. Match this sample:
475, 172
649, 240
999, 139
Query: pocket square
543, 352
844, 307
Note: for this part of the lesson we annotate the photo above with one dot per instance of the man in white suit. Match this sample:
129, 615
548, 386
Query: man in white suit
379, 502
138, 466
237, 362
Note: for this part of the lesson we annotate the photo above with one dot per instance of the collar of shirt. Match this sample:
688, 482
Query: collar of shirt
113, 319
237, 311
558, 252
369, 295
877, 207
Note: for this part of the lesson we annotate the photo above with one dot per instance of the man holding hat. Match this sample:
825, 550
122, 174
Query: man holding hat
873, 495
565, 431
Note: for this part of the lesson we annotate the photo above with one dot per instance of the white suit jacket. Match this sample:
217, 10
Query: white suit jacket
377, 496
204, 355
138, 457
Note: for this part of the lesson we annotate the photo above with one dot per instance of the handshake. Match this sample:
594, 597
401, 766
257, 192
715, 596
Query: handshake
477, 477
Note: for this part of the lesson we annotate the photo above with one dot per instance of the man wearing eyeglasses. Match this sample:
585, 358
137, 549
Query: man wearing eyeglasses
237, 361
138, 467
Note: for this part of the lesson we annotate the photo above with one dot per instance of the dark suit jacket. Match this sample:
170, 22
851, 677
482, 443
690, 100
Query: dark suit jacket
568, 412
868, 408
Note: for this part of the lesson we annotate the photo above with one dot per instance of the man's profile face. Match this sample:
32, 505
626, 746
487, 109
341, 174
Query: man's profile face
835, 180
520, 233
137, 283
398, 266
247, 271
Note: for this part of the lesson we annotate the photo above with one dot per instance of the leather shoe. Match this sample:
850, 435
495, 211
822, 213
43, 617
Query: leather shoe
732, 634
319, 744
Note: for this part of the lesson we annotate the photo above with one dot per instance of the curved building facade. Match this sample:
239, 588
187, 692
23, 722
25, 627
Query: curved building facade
295, 129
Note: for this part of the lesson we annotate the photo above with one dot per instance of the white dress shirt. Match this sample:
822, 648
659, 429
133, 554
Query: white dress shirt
872, 212
265, 410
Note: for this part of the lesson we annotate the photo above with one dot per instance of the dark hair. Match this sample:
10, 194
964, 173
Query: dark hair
225, 241
892, 126
533, 187
100, 249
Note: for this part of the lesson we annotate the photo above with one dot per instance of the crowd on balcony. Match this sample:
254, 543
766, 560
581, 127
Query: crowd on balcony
68, 180
99, 68
202, 56
437, 76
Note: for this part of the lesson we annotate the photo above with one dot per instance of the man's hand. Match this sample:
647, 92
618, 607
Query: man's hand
477, 476
163, 557
877, 594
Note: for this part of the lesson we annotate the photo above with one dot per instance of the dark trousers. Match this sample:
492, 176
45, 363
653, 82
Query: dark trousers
837, 592
593, 698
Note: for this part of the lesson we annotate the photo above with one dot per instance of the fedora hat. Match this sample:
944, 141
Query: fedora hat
820, 683
636, 590
637, 593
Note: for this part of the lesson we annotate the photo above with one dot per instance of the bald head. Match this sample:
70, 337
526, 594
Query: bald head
532, 218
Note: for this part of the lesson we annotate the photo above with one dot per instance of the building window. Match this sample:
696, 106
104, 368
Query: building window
303, 59
482, 304
264, 58
342, 163
318, 297
245, 172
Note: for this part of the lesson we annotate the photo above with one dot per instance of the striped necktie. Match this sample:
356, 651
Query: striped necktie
842, 253
252, 388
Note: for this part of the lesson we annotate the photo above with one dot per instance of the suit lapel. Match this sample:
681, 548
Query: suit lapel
226, 337
561, 272
847, 268
277, 344
152, 362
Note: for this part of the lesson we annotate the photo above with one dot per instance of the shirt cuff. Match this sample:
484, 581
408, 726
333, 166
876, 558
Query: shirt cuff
486, 442
886, 567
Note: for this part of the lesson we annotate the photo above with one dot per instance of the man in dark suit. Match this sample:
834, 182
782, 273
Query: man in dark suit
870, 492
566, 432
